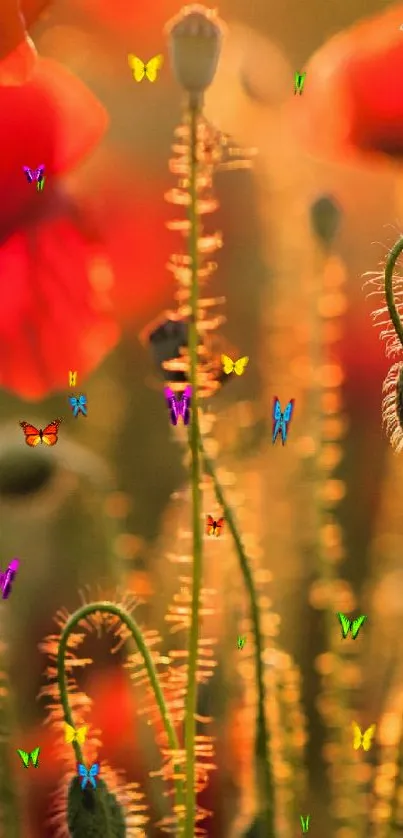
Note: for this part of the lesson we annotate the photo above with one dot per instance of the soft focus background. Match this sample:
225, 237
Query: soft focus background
83, 272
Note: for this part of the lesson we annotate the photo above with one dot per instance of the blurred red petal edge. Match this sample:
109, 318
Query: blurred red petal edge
67, 323
18, 66
80, 117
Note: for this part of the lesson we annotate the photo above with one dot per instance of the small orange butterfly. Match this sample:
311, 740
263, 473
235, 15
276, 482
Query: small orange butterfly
33, 436
214, 527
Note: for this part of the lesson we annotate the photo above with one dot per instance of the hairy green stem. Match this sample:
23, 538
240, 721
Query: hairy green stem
128, 620
391, 260
194, 436
265, 779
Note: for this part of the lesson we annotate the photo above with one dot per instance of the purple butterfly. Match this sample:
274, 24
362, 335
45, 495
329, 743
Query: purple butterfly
34, 174
179, 405
7, 577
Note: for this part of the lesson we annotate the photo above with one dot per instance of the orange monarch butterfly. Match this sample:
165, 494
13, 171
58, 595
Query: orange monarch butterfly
33, 436
214, 527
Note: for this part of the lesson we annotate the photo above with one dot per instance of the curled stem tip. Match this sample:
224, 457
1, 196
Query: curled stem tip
391, 260
105, 607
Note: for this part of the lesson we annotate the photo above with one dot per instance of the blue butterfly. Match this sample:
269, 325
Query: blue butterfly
78, 405
281, 419
88, 775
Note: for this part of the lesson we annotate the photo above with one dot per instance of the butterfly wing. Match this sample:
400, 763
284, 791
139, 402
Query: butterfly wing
153, 66
39, 172
286, 419
82, 404
345, 624
69, 733
367, 737
7, 578
35, 757
83, 773
49, 434
209, 525
24, 756
228, 364
28, 174
74, 405
357, 736
137, 67
356, 625
277, 417
186, 399
81, 734
172, 405
218, 527
93, 773
240, 365
32, 436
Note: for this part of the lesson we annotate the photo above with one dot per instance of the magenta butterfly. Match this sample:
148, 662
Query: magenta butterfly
178, 404
7, 577
34, 174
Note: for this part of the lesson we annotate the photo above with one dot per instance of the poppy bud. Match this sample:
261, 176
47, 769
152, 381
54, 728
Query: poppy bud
92, 812
195, 37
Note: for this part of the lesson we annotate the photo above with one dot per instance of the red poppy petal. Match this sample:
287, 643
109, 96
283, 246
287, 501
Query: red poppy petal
51, 318
53, 119
32, 9
12, 29
132, 214
17, 67
353, 94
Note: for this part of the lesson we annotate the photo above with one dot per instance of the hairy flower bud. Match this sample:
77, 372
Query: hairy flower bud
195, 37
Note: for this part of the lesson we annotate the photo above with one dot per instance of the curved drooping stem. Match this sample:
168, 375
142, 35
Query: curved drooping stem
105, 607
194, 438
265, 781
391, 260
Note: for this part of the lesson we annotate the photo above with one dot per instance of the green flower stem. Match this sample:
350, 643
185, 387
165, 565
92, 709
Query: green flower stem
391, 260
129, 621
194, 436
265, 780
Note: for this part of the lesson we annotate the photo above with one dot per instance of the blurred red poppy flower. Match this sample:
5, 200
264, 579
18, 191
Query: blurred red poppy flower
128, 208
352, 103
54, 315
17, 52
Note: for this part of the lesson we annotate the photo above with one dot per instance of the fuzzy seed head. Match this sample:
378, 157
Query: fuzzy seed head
195, 37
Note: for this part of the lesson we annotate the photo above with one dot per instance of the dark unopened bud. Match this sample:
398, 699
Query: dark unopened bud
92, 813
195, 37
325, 218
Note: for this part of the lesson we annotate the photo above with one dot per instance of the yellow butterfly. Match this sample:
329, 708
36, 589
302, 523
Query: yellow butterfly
72, 378
364, 739
238, 367
148, 70
72, 735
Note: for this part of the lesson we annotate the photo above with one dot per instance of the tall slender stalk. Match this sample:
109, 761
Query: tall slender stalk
265, 781
391, 260
128, 620
194, 437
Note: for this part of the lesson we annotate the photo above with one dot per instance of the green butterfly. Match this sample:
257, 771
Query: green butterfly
40, 184
241, 641
305, 822
350, 625
33, 756
299, 81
